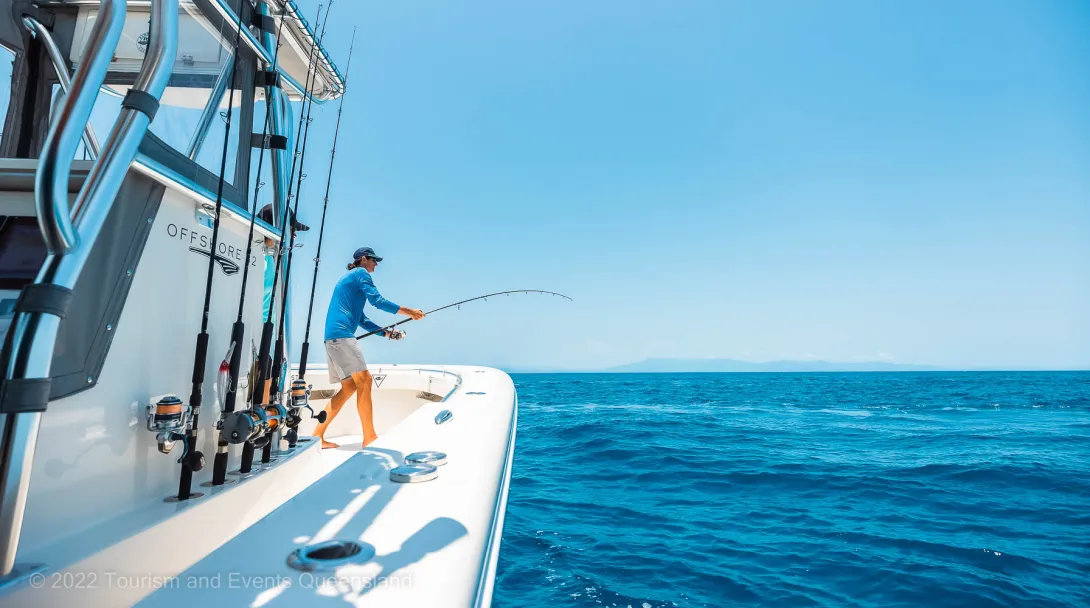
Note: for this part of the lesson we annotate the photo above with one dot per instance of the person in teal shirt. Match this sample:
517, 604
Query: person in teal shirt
346, 363
266, 214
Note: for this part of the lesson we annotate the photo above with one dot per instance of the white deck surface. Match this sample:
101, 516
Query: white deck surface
436, 542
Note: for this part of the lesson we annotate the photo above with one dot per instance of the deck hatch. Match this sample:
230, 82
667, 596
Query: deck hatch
329, 555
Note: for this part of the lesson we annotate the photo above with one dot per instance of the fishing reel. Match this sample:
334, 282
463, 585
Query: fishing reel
300, 400
256, 425
168, 418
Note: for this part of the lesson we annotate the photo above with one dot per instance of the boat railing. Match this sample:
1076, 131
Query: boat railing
265, 54
64, 79
70, 233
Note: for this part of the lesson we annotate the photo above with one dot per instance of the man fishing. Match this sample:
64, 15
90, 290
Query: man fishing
346, 363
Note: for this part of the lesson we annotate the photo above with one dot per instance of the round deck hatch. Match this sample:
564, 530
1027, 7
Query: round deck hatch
436, 459
329, 555
413, 473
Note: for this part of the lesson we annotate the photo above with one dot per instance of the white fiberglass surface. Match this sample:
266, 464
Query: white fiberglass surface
434, 542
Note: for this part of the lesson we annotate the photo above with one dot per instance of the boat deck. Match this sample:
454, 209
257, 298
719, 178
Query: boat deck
435, 542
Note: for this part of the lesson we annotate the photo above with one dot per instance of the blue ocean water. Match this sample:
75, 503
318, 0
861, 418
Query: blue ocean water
862, 489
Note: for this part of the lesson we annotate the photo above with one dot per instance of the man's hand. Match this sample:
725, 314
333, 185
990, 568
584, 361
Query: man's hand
415, 313
395, 334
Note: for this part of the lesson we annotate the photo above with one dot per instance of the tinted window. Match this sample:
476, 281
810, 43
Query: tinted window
22, 251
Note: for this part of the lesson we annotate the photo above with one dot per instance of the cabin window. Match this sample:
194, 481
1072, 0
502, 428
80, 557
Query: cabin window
189, 120
22, 251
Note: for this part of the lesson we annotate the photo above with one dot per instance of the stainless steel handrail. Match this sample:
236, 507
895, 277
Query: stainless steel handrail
211, 108
230, 19
55, 161
40, 32
34, 335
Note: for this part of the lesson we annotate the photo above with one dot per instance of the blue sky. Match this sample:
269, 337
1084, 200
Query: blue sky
902, 181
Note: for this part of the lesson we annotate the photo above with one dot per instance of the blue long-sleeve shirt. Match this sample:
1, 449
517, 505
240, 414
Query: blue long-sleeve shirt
350, 295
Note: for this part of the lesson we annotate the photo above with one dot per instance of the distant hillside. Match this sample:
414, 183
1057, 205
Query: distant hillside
734, 365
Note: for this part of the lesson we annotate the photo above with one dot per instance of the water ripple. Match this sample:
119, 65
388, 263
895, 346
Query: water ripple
829, 490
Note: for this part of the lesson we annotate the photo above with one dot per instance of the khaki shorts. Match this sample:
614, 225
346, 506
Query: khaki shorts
344, 358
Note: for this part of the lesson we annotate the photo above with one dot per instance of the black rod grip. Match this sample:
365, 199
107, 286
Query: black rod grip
266, 452
185, 481
219, 468
200, 359
263, 362
303, 359
278, 366
247, 458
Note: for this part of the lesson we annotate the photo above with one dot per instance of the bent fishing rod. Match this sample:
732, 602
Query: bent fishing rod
267, 329
383, 330
325, 207
238, 330
192, 460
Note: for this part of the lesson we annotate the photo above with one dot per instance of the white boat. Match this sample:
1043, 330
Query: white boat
94, 507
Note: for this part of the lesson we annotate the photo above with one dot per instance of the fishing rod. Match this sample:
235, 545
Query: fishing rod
459, 304
264, 361
299, 392
229, 387
321, 231
195, 460
278, 349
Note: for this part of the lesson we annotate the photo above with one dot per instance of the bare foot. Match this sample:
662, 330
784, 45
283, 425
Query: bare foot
369, 440
329, 444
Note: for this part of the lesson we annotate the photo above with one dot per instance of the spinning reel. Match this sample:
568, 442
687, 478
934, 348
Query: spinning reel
300, 400
168, 418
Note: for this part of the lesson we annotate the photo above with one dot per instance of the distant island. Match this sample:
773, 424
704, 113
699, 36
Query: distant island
735, 365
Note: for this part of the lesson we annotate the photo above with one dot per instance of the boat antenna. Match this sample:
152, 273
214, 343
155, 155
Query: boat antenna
459, 304
192, 460
325, 207
264, 361
238, 330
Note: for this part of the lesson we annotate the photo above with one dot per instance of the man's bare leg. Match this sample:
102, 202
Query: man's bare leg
364, 406
348, 386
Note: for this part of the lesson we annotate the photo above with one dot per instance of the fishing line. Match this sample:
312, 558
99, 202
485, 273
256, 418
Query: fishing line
498, 293
193, 460
264, 360
238, 331
325, 207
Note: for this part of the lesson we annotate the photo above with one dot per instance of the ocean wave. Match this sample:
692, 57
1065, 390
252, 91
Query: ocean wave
867, 490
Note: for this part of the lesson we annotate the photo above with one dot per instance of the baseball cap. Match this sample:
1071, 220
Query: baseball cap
366, 251
266, 214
